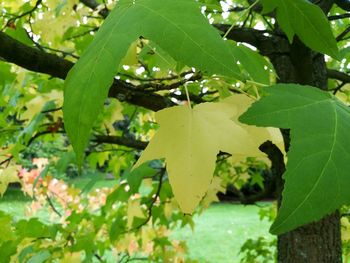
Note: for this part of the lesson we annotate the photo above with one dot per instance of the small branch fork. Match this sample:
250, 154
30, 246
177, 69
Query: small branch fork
28, 13
154, 200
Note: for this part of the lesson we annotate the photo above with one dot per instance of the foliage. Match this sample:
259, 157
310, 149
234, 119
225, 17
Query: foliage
318, 123
84, 99
130, 58
305, 20
184, 163
258, 250
190, 139
101, 223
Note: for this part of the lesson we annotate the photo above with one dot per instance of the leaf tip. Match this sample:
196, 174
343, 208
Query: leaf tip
336, 55
275, 230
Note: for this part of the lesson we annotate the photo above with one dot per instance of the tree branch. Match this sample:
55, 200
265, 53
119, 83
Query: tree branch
33, 59
336, 17
140, 145
267, 42
120, 140
247, 35
277, 165
343, 4
325, 5
335, 74
154, 200
343, 34
39, 61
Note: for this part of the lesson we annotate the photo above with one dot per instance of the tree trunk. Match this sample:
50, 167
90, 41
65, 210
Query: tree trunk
318, 242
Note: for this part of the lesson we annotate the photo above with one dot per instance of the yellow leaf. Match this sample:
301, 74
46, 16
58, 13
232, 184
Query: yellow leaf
345, 231
7, 176
244, 176
134, 210
114, 113
35, 105
343, 97
189, 140
74, 257
56, 20
147, 236
242, 103
170, 207
98, 158
214, 188
131, 56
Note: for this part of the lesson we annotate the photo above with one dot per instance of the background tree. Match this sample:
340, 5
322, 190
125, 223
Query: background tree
151, 79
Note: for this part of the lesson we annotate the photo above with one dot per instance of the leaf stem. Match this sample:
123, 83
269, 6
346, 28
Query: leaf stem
243, 14
256, 83
256, 92
243, 92
188, 96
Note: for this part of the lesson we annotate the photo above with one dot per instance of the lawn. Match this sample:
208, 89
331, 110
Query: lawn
219, 233
221, 230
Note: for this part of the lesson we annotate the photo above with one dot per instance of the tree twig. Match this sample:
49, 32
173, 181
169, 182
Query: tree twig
29, 12
92, 4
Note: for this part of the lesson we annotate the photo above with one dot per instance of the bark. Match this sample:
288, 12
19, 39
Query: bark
318, 242
39, 61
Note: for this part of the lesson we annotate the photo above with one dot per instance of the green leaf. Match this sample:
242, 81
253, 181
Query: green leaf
6, 76
177, 27
7, 249
41, 257
119, 194
6, 228
153, 56
35, 229
117, 228
20, 34
253, 63
317, 173
307, 21
134, 177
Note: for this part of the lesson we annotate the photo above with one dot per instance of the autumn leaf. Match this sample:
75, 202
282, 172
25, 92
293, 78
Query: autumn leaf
7, 176
73, 257
189, 140
35, 105
134, 210
211, 195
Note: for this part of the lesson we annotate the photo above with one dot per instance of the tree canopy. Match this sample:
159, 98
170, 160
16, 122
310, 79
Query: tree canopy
172, 99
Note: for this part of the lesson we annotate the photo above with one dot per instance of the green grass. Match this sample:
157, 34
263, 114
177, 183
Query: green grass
14, 202
219, 232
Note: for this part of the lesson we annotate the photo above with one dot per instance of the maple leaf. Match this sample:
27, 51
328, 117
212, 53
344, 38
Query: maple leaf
35, 105
7, 176
307, 21
211, 195
134, 210
87, 84
317, 171
189, 140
